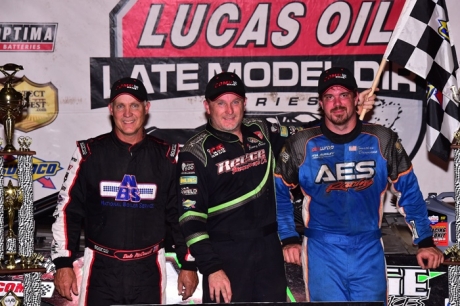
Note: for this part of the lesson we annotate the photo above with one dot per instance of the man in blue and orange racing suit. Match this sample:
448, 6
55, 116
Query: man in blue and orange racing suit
227, 201
122, 186
343, 167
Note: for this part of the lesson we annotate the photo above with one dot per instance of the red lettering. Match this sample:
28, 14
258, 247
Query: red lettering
345, 186
19, 288
10, 286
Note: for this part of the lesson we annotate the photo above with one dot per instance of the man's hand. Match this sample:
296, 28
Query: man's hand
292, 253
429, 258
365, 102
66, 282
187, 283
220, 284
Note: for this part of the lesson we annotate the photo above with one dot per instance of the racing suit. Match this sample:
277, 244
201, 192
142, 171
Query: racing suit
125, 195
228, 210
344, 179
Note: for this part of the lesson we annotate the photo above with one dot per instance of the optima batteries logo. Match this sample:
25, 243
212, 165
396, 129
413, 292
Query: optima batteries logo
27, 37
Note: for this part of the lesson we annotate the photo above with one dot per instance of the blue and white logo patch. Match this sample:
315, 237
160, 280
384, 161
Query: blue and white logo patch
128, 190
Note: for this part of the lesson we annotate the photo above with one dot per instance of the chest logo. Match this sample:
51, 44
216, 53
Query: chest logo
217, 150
242, 163
349, 175
128, 190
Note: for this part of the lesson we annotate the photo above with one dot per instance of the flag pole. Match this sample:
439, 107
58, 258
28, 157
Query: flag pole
374, 84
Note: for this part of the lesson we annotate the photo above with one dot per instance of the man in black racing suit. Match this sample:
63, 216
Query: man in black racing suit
122, 185
227, 202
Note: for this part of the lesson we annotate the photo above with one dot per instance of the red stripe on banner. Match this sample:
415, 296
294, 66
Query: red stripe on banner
24, 46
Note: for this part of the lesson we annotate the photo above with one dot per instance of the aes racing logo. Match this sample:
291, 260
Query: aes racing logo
43, 104
345, 176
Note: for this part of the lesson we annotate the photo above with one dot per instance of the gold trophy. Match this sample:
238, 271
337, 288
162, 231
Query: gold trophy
12, 104
13, 198
18, 249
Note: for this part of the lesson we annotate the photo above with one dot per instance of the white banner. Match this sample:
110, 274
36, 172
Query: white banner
72, 51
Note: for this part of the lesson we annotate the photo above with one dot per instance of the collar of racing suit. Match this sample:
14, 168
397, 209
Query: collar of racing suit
127, 146
341, 139
224, 136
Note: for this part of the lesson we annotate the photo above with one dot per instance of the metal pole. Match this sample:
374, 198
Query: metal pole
454, 270
32, 282
2, 236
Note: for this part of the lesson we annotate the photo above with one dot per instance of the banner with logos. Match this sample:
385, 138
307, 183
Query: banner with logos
72, 51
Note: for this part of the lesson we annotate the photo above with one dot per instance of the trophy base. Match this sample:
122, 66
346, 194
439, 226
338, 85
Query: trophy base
20, 270
16, 152
448, 262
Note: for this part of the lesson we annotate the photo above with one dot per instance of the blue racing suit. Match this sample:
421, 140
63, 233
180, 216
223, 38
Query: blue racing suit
344, 179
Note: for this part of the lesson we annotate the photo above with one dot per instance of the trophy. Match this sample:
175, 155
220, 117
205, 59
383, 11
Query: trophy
13, 199
11, 104
18, 250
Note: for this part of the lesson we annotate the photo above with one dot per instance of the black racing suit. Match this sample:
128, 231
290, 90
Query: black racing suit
228, 210
125, 195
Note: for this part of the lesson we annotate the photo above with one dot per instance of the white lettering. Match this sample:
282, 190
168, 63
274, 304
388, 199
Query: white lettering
226, 10
230, 165
256, 28
178, 37
346, 172
148, 38
340, 10
290, 25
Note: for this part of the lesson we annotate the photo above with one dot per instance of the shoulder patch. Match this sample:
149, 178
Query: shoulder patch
399, 147
261, 123
173, 152
195, 146
84, 148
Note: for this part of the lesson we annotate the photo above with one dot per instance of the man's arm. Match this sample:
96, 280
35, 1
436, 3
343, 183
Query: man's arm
66, 282
411, 205
192, 202
286, 177
365, 101
430, 257
193, 194
188, 278
187, 283
67, 227
219, 284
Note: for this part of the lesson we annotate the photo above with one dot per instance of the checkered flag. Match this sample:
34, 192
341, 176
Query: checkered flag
440, 122
421, 44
